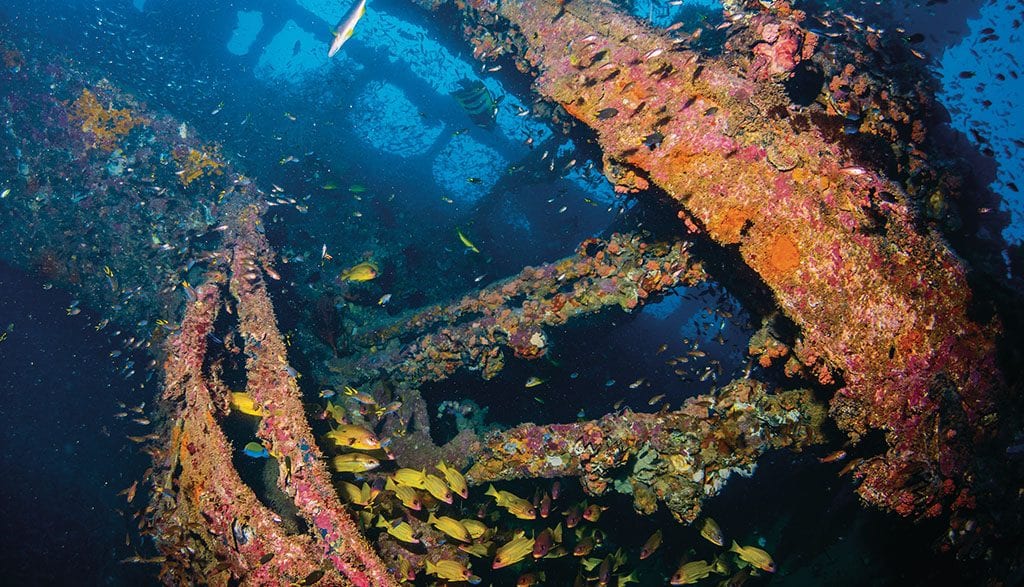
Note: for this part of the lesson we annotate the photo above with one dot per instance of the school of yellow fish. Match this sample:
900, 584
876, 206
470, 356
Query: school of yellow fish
415, 499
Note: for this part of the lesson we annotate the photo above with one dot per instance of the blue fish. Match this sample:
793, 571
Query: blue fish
256, 451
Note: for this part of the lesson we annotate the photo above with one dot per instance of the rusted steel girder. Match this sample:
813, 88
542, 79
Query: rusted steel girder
679, 457
623, 270
283, 428
877, 299
206, 521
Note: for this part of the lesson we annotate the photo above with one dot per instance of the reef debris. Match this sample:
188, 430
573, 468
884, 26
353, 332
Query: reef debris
194, 163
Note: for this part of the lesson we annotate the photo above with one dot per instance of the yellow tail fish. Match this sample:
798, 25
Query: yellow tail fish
243, 402
399, 529
755, 556
451, 527
355, 462
455, 479
513, 551
352, 436
346, 27
365, 271
466, 242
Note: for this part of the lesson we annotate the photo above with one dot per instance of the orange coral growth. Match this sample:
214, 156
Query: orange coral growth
783, 256
107, 125
194, 163
728, 225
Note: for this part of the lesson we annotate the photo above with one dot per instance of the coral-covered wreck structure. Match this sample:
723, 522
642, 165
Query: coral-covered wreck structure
881, 304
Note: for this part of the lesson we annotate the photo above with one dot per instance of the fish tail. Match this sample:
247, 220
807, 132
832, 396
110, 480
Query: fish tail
735, 547
492, 491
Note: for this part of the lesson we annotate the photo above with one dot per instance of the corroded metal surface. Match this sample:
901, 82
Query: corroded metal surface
622, 271
679, 457
879, 301
284, 429
206, 520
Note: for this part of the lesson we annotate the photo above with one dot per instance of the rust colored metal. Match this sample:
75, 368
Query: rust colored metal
246, 540
208, 523
878, 300
284, 428
679, 457
622, 271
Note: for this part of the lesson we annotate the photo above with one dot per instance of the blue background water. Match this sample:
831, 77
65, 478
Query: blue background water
379, 115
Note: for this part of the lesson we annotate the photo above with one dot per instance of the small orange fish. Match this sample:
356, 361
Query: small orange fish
850, 466
831, 458
651, 545
593, 512
130, 491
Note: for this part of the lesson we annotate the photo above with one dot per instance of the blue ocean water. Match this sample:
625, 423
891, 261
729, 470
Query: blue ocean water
410, 166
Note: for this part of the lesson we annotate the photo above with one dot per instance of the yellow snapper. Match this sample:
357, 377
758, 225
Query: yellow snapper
476, 527
353, 436
437, 487
243, 402
754, 556
410, 478
691, 572
455, 479
355, 462
361, 496
361, 272
336, 412
399, 529
515, 505
451, 527
513, 551
405, 494
479, 549
451, 570
712, 532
